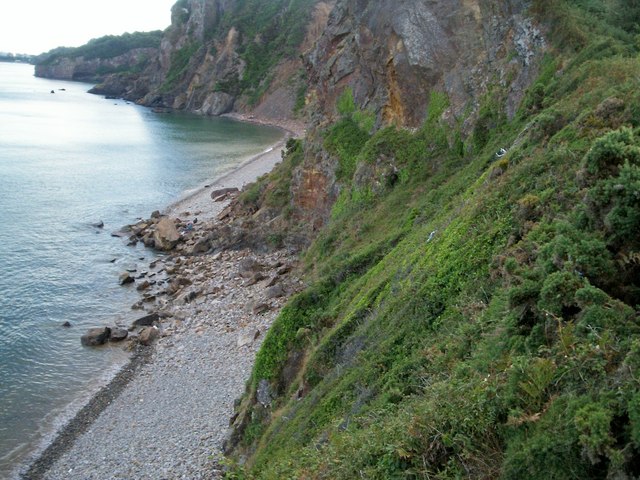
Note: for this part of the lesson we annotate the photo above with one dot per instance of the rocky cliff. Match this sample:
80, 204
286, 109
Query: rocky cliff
393, 54
224, 55
392, 59
395, 57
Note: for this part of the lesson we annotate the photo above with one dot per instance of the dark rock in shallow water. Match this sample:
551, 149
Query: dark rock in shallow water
66, 324
99, 224
147, 320
118, 334
126, 278
95, 336
123, 232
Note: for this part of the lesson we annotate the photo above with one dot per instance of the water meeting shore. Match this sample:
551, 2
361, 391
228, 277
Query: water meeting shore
166, 413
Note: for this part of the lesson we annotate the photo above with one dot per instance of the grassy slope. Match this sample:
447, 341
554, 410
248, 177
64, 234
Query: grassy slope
475, 316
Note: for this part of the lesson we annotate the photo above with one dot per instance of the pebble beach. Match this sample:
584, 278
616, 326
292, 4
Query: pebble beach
166, 414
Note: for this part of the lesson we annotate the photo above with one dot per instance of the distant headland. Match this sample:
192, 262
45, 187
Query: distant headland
16, 57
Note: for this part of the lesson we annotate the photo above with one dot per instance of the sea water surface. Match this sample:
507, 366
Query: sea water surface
69, 160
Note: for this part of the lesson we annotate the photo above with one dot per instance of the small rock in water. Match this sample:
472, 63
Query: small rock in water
126, 278
99, 224
66, 324
118, 334
95, 336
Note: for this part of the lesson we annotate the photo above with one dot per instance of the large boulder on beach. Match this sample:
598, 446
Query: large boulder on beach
147, 320
96, 336
222, 193
148, 335
166, 235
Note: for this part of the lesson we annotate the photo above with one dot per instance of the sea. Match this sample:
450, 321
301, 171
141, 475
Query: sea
70, 161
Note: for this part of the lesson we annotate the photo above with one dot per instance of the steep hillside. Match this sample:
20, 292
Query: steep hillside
474, 213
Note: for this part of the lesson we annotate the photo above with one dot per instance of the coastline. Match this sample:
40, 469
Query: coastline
187, 322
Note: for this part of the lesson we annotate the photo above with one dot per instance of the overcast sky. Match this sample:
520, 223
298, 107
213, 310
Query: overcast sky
36, 26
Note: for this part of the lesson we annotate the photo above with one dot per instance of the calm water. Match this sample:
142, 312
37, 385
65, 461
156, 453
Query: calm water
68, 160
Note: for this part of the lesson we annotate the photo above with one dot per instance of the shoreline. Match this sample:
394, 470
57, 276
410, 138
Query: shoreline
197, 202
82, 420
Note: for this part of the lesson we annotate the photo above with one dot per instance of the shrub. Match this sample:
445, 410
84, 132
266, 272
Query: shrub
558, 292
610, 151
593, 424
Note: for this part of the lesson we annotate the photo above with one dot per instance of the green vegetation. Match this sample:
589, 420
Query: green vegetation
179, 62
272, 191
104, 47
271, 31
470, 315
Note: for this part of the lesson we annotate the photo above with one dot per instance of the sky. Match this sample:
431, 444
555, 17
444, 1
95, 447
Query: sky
36, 26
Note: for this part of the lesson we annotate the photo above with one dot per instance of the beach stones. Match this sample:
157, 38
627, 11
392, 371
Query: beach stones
95, 336
260, 308
247, 338
274, 292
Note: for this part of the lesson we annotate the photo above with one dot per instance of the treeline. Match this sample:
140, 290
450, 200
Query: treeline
108, 46
17, 57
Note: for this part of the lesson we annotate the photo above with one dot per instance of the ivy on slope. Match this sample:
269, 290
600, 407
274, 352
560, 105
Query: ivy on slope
472, 314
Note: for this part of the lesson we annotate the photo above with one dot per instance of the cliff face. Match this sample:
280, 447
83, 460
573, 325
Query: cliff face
185, 73
395, 55
209, 56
